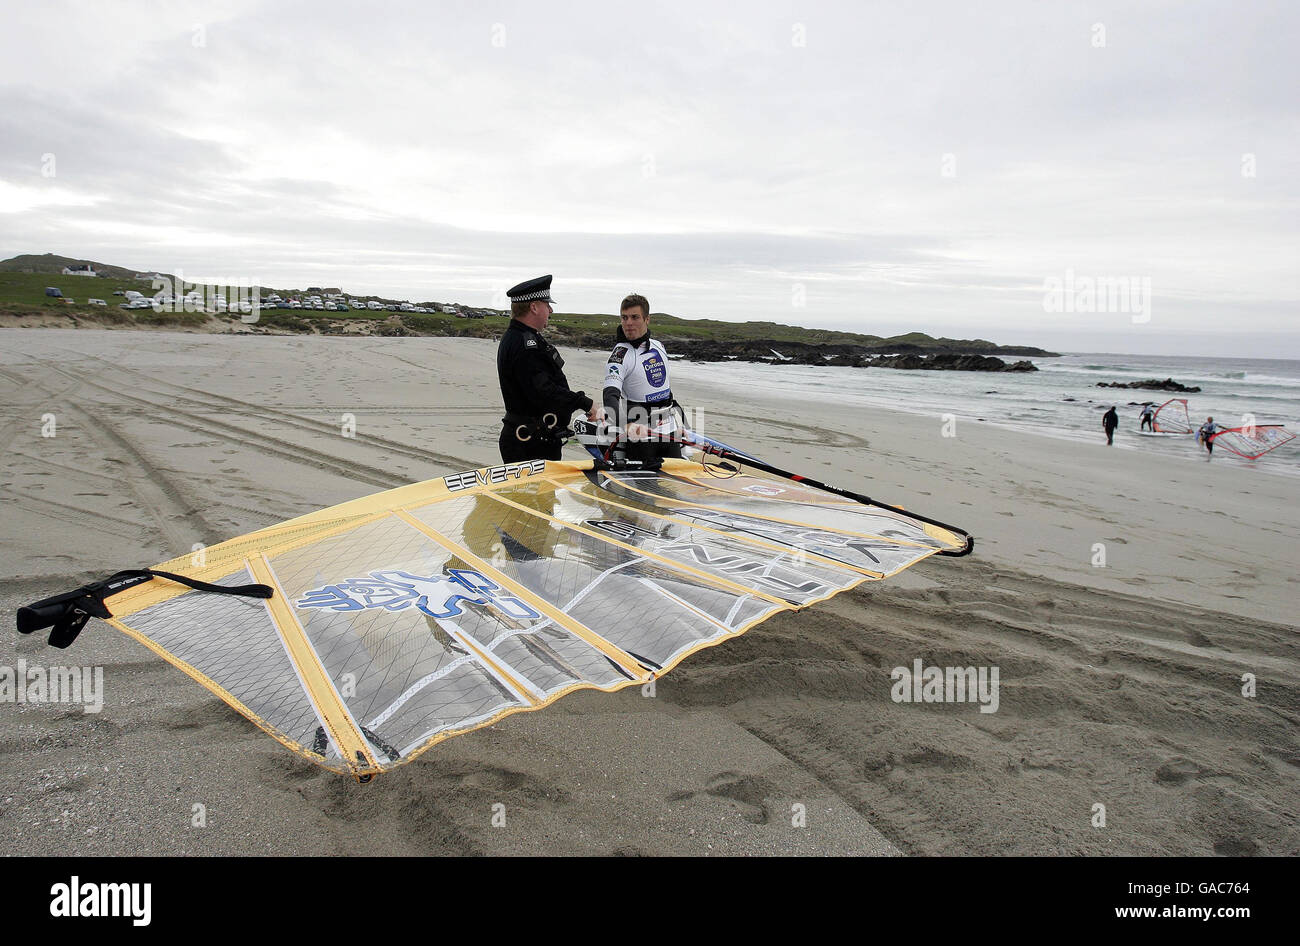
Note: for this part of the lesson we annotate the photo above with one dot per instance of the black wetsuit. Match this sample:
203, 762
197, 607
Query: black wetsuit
533, 385
1110, 420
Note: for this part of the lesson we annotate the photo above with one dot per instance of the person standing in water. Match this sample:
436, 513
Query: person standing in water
1206, 436
1109, 421
1148, 418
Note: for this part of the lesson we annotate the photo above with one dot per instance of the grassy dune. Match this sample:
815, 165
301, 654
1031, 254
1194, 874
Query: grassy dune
23, 295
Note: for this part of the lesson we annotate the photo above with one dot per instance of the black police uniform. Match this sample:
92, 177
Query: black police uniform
533, 385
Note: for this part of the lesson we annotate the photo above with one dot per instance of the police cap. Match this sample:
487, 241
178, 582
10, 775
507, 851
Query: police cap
538, 290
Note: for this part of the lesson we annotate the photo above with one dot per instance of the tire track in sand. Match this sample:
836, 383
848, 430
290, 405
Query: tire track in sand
266, 444
209, 400
177, 516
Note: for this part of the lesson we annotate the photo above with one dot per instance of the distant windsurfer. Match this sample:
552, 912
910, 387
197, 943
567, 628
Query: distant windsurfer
637, 398
538, 401
1206, 436
1109, 421
1148, 418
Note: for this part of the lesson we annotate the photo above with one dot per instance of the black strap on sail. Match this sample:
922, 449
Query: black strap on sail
68, 613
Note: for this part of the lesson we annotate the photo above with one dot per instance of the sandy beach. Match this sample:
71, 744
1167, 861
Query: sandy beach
1121, 683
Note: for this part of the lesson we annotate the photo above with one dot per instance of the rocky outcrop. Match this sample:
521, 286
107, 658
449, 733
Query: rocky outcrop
1169, 384
847, 356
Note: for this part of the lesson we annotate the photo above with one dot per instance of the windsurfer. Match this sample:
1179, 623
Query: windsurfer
637, 397
1148, 417
1206, 436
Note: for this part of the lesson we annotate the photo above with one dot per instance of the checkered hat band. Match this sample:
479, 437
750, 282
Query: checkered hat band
530, 296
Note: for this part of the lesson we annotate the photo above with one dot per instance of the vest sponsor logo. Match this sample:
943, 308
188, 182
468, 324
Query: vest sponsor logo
495, 474
656, 372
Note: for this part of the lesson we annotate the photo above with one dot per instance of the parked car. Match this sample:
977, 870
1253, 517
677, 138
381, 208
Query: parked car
53, 291
96, 302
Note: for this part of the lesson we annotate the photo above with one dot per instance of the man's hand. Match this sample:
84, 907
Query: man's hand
638, 432
597, 414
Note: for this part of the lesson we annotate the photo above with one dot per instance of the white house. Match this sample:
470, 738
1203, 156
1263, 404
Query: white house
86, 270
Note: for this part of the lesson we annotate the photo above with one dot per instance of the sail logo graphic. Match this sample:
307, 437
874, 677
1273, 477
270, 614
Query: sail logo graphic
438, 596
495, 474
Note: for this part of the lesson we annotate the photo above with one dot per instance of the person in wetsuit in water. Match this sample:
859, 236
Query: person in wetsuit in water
1148, 418
1109, 421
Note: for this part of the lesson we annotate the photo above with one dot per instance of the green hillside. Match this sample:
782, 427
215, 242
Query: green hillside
23, 280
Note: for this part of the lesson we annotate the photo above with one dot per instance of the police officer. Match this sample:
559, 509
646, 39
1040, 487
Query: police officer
538, 401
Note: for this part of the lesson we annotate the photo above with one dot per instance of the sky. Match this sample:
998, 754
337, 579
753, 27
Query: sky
965, 170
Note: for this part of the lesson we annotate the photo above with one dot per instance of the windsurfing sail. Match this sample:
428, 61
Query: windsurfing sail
1172, 418
361, 635
1252, 442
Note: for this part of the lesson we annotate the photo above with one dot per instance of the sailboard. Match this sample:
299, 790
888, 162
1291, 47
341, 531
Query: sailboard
1252, 442
361, 635
1171, 418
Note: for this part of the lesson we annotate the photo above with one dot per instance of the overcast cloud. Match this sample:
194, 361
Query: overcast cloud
877, 168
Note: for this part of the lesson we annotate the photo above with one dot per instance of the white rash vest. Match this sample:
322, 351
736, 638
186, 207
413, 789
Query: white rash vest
637, 372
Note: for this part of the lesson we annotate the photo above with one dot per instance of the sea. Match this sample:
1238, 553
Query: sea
1060, 400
